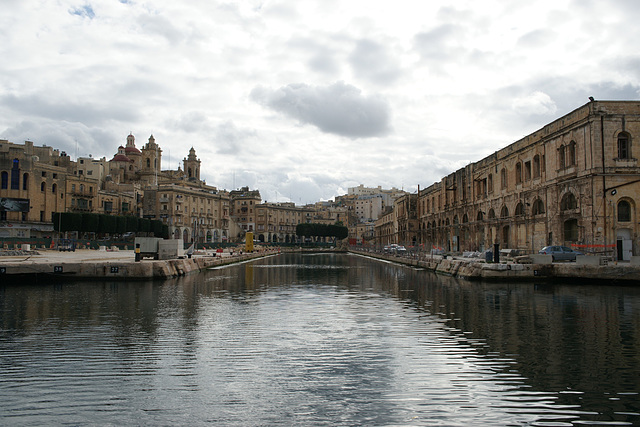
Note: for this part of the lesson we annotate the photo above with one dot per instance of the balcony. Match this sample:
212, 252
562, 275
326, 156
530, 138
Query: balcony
80, 209
82, 193
164, 200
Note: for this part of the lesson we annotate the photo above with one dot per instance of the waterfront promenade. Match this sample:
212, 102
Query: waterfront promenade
584, 270
112, 265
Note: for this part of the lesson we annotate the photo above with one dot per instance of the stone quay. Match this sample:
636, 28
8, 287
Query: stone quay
111, 265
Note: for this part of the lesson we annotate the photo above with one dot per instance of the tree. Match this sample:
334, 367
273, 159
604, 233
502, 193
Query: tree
337, 230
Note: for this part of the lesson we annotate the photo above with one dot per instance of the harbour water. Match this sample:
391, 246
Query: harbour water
324, 339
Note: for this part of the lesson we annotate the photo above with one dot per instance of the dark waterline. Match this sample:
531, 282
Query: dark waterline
319, 340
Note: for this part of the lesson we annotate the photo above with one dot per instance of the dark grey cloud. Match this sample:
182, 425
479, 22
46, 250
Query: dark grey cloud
339, 109
374, 62
191, 122
222, 138
89, 112
73, 138
229, 139
442, 47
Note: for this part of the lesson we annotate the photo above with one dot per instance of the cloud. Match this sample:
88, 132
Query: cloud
87, 112
339, 109
65, 136
536, 103
374, 62
229, 138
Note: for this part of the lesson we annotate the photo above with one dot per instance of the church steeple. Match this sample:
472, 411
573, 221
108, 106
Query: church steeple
151, 156
192, 166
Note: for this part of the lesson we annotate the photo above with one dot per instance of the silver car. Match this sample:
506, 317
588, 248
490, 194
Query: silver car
560, 253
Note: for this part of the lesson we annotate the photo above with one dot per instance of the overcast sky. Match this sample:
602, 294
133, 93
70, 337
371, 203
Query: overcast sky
303, 99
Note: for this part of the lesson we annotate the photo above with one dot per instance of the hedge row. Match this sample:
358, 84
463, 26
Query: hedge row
322, 230
102, 223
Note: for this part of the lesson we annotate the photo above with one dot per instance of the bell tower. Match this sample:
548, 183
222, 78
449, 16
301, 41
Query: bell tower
192, 166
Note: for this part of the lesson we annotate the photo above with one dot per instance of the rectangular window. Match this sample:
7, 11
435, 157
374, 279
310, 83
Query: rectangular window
527, 171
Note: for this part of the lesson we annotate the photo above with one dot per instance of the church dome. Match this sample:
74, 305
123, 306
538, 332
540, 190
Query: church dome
132, 150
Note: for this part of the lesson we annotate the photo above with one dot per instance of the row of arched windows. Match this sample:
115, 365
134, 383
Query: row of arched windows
15, 178
568, 203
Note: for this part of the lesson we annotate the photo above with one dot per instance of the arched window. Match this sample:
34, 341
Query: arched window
465, 219
455, 219
624, 146
519, 173
538, 207
15, 175
148, 163
446, 222
4, 184
568, 202
624, 211
571, 230
572, 153
562, 161
480, 216
536, 166
504, 213
25, 181
492, 214
519, 209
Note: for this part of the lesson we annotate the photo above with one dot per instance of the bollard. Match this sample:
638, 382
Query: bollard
137, 252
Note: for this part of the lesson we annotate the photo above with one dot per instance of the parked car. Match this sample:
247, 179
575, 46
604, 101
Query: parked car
560, 253
401, 250
390, 248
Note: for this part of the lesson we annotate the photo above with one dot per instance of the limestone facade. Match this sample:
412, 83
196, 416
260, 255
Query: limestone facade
277, 222
42, 180
575, 182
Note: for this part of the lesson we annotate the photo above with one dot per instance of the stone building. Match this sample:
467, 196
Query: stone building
574, 182
32, 187
35, 182
386, 228
277, 222
197, 214
243, 208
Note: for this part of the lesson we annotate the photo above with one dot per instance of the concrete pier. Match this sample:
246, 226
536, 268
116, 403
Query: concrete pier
474, 269
109, 265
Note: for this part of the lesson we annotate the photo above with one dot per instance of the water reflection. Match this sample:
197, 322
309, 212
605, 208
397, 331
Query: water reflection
319, 340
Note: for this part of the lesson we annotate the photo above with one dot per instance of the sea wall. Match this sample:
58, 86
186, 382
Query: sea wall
475, 269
